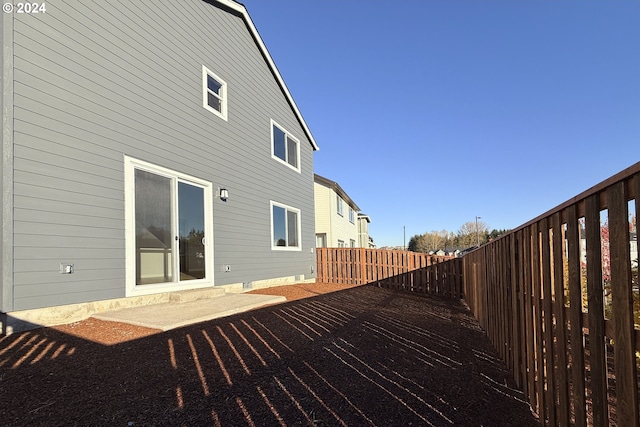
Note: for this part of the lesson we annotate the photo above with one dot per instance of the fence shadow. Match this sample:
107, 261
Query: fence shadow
362, 356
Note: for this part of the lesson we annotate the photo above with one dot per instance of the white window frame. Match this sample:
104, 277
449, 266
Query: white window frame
291, 137
131, 289
205, 93
298, 227
352, 215
341, 243
340, 204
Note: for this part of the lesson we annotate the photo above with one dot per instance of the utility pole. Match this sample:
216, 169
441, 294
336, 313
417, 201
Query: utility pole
404, 237
477, 233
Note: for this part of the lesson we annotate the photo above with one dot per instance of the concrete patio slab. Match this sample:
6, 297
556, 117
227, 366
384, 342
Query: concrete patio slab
167, 316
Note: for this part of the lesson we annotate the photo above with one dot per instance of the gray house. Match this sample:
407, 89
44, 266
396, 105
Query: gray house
147, 147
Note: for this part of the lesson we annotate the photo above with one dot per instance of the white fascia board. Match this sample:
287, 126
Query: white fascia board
240, 8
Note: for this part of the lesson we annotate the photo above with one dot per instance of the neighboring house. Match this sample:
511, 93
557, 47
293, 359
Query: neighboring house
338, 222
147, 150
364, 240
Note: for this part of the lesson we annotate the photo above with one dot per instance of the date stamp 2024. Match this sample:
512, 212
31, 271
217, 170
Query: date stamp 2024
28, 8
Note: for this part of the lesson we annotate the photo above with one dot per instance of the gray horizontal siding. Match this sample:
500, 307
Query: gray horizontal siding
47, 258
33, 283
62, 211
87, 264
95, 81
81, 294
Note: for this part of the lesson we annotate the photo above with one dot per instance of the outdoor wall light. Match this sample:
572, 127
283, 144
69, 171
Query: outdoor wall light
224, 194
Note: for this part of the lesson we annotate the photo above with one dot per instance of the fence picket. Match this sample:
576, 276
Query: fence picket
549, 368
575, 304
625, 366
597, 357
560, 323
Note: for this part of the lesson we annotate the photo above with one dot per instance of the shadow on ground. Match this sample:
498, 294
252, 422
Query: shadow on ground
362, 356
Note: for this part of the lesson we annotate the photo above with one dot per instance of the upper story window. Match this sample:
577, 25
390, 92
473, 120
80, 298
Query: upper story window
284, 147
339, 202
214, 93
352, 215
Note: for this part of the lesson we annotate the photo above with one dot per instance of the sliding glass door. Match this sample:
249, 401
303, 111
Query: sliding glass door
170, 228
191, 231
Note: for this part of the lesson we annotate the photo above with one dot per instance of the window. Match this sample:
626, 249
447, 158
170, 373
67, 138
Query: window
352, 243
285, 227
284, 147
321, 240
341, 243
339, 202
214, 93
352, 215
169, 215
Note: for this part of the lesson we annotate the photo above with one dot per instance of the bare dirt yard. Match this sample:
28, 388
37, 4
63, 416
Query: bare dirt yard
329, 356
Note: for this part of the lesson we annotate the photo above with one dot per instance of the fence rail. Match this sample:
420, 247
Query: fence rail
556, 297
402, 270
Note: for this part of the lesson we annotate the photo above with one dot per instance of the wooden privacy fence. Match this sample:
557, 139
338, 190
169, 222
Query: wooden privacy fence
403, 270
559, 298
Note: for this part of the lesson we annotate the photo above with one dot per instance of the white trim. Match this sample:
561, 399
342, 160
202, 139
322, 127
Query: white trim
298, 226
205, 92
290, 136
131, 289
7, 165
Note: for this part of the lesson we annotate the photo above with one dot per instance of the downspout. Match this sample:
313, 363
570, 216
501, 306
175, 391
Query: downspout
331, 196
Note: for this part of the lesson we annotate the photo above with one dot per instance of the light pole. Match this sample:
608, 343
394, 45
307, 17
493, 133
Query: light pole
477, 233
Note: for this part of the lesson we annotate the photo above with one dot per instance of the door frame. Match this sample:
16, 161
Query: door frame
131, 288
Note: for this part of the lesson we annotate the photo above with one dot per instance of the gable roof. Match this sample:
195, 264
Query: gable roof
364, 216
335, 187
240, 10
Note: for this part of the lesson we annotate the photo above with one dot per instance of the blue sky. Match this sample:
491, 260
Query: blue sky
429, 113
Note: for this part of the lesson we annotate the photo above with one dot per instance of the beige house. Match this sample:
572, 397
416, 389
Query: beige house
364, 240
338, 221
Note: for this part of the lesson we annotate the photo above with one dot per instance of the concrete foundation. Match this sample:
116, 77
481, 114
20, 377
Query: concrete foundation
18, 321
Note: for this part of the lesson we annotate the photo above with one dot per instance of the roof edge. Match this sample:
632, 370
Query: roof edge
335, 187
242, 10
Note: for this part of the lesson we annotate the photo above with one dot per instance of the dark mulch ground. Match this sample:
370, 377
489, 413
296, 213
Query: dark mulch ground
361, 356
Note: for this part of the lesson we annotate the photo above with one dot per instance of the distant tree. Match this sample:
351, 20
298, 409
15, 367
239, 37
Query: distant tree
418, 243
436, 240
448, 240
472, 233
413, 243
497, 233
431, 241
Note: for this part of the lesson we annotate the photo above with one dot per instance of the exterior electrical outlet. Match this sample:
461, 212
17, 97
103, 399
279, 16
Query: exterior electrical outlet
66, 268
